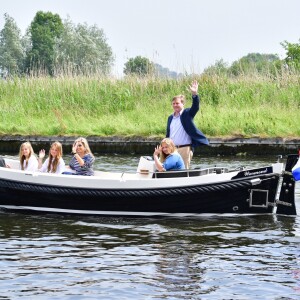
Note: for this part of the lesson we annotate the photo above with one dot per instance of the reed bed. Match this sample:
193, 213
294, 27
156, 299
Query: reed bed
246, 106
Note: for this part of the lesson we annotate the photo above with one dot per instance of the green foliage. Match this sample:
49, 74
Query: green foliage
254, 62
44, 30
266, 64
50, 47
220, 67
83, 50
160, 71
11, 49
243, 106
140, 66
292, 54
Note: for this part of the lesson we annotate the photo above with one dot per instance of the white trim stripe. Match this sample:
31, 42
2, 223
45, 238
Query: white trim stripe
94, 212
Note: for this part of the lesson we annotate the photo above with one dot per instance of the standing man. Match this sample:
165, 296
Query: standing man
181, 128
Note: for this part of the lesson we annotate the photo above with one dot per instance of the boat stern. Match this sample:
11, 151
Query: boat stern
286, 203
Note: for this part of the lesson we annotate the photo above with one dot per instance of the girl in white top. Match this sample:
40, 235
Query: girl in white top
28, 161
54, 163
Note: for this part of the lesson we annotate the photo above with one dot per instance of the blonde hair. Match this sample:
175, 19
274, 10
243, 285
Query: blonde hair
180, 97
22, 156
85, 143
54, 161
171, 146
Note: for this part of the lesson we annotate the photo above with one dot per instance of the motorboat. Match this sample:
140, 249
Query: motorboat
148, 193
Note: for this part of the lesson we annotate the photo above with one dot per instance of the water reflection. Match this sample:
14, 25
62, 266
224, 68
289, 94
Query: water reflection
167, 258
14, 225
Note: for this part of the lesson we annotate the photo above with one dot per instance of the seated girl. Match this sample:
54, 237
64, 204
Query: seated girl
166, 157
54, 163
28, 160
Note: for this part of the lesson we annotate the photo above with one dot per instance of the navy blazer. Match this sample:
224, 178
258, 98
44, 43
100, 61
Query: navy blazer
187, 121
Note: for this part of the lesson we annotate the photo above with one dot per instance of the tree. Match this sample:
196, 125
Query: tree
254, 63
292, 54
220, 67
160, 71
139, 65
11, 50
44, 30
83, 49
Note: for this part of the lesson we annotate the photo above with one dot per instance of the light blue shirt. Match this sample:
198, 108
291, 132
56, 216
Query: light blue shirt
174, 162
177, 132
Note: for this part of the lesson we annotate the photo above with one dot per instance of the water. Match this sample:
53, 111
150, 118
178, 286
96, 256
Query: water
212, 257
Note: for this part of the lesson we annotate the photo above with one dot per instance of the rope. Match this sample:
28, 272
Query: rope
162, 192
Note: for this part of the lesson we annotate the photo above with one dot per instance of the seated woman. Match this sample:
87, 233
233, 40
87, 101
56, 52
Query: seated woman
28, 161
54, 163
83, 159
166, 157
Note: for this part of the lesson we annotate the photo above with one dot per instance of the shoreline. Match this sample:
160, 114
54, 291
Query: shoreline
142, 145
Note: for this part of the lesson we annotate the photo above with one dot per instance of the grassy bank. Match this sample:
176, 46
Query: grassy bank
244, 106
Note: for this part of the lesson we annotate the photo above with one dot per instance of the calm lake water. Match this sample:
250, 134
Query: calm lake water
211, 257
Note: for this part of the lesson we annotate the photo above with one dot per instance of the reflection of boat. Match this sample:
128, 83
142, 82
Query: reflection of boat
269, 189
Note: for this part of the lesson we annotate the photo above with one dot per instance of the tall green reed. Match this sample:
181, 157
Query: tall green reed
252, 105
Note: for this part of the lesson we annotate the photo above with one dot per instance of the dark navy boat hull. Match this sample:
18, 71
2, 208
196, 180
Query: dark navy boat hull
258, 191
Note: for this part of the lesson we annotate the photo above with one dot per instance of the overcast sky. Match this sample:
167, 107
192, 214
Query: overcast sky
182, 35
